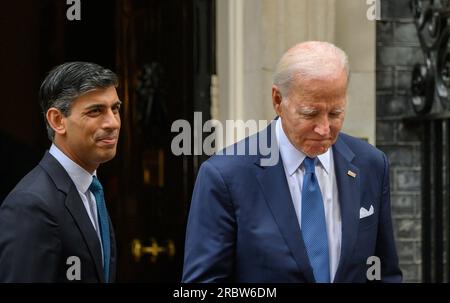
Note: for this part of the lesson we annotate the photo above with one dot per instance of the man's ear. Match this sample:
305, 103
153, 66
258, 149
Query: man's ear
56, 120
276, 99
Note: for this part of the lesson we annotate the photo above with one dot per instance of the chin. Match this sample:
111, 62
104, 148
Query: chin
316, 151
107, 156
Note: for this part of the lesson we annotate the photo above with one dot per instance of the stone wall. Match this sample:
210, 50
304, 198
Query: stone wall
398, 49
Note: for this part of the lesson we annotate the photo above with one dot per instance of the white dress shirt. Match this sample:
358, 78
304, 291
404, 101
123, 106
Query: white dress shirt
294, 170
82, 180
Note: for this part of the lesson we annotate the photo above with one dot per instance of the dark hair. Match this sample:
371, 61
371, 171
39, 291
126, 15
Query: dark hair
67, 82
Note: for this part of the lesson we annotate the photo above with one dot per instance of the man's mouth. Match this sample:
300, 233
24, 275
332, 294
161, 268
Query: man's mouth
108, 140
320, 140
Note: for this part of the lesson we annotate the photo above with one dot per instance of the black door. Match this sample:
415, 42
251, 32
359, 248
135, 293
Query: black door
163, 52
165, 56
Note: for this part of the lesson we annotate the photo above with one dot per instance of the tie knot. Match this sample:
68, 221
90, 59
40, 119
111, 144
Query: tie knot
310, 164
95, 186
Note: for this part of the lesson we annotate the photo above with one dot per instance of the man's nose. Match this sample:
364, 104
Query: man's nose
323, 127
111, 120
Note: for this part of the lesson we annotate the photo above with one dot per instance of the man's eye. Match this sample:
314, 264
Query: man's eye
308, 115
94, 111
335, 114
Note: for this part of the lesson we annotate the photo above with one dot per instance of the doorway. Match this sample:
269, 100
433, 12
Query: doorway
163, 52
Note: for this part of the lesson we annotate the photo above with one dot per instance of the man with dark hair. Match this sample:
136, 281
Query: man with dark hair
54, 226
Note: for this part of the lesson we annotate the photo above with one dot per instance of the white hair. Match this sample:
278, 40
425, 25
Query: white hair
307, 61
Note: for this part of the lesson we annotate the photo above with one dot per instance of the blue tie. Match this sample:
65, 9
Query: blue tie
97, 189
314, 228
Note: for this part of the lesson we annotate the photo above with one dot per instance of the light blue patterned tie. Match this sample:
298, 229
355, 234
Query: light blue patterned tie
314, 228
97, 190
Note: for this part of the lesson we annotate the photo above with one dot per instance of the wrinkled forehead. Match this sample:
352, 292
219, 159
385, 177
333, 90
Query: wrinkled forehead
325, 87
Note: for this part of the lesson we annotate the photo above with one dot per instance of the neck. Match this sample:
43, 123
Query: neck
87, 167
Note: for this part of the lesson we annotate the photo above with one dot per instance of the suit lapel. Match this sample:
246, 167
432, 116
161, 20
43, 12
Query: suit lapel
276, 191
349, 200
78, 212
76, 208
273, 183
113, 261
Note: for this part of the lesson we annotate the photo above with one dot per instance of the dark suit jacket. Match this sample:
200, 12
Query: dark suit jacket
43, 222
242, 225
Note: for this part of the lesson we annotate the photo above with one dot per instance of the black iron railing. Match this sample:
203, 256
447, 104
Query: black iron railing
431, 103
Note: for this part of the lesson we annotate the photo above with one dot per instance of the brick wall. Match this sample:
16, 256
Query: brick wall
398, 49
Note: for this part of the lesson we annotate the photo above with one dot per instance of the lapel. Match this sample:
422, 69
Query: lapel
113, 261
75, 207
273, 183
349, 201
78, 212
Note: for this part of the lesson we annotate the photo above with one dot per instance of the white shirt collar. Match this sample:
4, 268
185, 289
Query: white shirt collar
292, 157
79, 175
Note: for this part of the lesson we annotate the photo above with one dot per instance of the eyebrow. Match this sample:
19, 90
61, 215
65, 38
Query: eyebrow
338, 110
309, 110
93, 106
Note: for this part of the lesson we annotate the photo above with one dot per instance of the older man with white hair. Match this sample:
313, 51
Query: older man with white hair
320, 214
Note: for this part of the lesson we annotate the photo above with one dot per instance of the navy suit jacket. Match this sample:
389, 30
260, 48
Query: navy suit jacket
242, 226
43, 222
